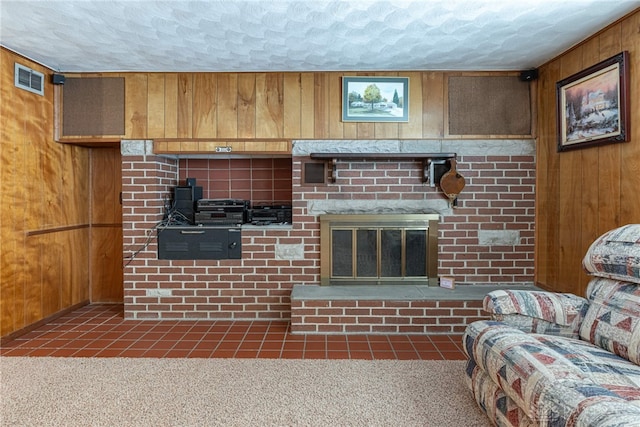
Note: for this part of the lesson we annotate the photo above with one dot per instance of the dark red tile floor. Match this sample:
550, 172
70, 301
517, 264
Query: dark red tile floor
100, 330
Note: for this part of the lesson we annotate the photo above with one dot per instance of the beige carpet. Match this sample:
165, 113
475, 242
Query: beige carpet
233, 392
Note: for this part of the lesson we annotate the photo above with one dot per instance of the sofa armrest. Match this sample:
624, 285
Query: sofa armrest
538, 311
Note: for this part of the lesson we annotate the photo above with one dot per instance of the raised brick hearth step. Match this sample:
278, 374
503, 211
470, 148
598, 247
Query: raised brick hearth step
387, 309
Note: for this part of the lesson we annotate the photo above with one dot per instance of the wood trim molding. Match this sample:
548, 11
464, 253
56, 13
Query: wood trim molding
57, 229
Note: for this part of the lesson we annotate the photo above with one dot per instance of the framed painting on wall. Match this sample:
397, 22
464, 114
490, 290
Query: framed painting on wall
593, 105
375, 99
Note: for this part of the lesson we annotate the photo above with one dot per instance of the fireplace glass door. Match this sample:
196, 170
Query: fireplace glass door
374, 254
379, 253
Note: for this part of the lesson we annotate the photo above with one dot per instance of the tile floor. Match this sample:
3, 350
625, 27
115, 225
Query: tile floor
100, 330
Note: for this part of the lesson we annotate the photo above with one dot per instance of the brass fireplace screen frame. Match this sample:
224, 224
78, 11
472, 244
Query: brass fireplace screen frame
402, 223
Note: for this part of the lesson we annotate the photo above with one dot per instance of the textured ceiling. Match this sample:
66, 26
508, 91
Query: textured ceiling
300, 35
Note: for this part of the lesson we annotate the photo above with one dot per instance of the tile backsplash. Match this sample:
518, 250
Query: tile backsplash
262, 181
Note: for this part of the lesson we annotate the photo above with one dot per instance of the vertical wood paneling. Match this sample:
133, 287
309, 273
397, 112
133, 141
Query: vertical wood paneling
547, 264
106, 272
227, 105
136, 96
292, 105
66, 268
32, 290
106, 183
433, 105
246, 105
155, 105
269, 105
321, 111
205, 123
570, 187
630, 153
80, 277
43, 190
366, 130
185, 105
73, 208
386, 130
307, 105
52, 287
582, 193
413, 129
204, 105
171, 105
272, 106
336, 127
30, 192
9, 282
607, 44
591, 179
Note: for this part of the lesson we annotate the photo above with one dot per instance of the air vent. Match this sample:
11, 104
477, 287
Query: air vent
28, 79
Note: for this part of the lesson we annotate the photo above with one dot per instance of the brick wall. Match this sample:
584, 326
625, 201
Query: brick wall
488, 239
256, 287
384, 316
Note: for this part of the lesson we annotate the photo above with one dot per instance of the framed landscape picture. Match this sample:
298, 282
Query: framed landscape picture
375, 99
593, 105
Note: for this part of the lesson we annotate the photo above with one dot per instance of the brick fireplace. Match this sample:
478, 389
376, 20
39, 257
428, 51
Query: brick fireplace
486, 240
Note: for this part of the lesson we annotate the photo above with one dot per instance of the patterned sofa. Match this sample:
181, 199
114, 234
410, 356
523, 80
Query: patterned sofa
555, 359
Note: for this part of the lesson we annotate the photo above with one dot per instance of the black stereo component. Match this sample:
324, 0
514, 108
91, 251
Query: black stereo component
230, 212
184, 198
219, 218
208, 204
270, 214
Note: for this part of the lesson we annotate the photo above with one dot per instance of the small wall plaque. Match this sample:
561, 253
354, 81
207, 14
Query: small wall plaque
447, 282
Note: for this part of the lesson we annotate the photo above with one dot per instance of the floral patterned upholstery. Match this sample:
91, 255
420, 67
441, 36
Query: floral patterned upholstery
561, 360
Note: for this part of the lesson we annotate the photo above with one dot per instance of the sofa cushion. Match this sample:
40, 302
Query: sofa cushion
613, 318
535, 371
615, 254
537, 311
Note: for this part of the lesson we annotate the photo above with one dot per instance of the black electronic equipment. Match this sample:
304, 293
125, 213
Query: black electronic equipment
528, 75
231, 212
189, 242
57, 79
184, 198
270, 214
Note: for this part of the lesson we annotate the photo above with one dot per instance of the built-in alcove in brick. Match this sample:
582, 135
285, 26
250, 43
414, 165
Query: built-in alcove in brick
262, 181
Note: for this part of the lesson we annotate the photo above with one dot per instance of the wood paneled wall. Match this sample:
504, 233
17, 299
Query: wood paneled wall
260, 106
583, 193
106, 225
273, 106
44, 225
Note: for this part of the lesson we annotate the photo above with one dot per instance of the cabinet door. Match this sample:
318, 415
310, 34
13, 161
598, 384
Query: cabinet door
199, 243
106, 225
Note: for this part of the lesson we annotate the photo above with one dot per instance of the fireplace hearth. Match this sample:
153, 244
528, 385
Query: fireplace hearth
389, 249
